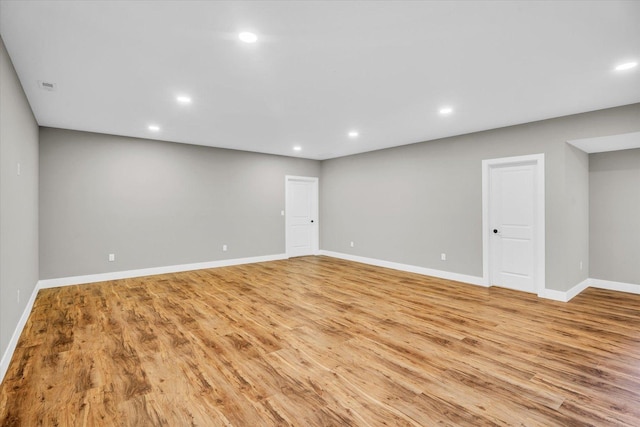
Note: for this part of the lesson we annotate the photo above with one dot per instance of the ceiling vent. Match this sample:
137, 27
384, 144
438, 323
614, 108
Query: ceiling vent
47, 85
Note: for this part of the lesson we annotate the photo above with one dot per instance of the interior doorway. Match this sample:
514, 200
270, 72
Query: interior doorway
301, 216
513, 222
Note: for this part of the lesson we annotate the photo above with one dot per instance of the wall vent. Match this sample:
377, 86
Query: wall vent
47, 85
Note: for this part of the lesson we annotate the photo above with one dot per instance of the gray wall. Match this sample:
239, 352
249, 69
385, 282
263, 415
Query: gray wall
155, 203
614, 199
408, 204
576, 215
18, 200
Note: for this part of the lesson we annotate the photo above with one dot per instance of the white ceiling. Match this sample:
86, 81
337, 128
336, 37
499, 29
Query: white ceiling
318, 69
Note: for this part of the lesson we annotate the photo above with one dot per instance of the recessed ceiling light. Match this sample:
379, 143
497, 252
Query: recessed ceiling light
183, 99
626, 66
446, 110
154, 128
297, 148
248, 37
353, 134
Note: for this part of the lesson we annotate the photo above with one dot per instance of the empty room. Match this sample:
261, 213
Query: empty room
319, 213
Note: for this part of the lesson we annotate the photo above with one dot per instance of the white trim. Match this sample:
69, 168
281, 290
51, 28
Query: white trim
589, 283
565, 296
473, 280
316, 195
615, 286
552, 294
539, 251
485, 223
571, 293
93, 278
13, 343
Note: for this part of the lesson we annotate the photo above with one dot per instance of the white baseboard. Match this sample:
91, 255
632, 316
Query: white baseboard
615, 286
578, 288
13, 343
103, 277
553, 295
473, 280
565, 296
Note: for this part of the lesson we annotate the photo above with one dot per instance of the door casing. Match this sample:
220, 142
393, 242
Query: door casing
539, 214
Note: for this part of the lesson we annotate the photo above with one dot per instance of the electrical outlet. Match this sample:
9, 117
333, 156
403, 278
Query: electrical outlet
19, 169
443, 257
224, 248
18, 295
580, 265
112, 257
352, 245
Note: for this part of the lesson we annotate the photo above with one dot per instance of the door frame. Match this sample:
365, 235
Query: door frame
539, 215
316, 233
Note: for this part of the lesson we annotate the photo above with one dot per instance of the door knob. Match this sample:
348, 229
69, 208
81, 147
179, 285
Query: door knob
495, 231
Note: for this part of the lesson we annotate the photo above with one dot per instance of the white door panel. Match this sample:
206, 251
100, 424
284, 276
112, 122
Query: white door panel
515, 188
300, 236
300, 200
512, 219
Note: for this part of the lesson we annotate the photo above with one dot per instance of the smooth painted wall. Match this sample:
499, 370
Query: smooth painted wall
614, 200
576, 216
410, 204
154, 203
18, 200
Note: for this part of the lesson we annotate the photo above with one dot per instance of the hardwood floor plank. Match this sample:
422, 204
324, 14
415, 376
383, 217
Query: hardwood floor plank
317, 341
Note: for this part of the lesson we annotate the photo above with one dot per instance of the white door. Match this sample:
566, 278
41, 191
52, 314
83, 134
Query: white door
512, 219
301, 216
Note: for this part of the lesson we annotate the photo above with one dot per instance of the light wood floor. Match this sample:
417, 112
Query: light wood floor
316, 341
